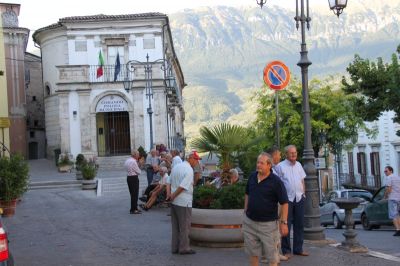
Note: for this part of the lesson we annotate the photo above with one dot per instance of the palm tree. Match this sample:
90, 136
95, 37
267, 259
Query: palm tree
225, 140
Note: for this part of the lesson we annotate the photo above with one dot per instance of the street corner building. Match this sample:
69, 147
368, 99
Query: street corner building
88, 61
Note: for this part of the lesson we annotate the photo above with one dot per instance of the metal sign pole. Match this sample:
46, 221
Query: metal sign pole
278, 140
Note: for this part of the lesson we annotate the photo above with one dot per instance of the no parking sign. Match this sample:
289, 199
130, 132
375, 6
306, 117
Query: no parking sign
276, 75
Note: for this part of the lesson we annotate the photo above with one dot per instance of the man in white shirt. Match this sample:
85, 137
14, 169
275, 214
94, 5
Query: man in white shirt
393, 193
292, 174
181, 196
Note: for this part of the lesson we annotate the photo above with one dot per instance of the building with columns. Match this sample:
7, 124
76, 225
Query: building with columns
363, 163
12, 91
86, 60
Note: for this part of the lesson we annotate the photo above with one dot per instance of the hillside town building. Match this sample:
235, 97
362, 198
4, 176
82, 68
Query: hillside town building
363, 163
86, 62
12, 78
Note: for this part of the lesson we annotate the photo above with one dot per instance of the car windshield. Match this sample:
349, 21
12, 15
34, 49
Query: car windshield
357, 194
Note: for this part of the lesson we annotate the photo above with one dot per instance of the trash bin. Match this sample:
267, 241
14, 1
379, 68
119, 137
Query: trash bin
57, 153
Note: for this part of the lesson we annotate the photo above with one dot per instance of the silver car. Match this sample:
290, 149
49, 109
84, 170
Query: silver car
330, 212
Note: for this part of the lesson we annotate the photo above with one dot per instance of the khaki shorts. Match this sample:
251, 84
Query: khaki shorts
261, 238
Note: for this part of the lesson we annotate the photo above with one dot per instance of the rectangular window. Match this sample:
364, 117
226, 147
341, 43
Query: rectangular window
33, 98
376, 169
32, 134
36, 123
362, 167
80, 46
149, 43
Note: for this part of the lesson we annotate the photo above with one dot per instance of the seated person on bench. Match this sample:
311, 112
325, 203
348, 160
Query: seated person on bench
158, 194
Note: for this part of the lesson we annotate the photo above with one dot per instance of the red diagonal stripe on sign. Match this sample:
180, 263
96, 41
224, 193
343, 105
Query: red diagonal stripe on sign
276, 74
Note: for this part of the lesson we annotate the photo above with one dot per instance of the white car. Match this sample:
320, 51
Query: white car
330, 212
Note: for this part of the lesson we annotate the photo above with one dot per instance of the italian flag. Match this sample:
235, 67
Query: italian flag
100, 67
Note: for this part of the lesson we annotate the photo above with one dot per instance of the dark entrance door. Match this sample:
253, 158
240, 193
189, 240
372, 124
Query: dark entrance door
33, 150
113, 135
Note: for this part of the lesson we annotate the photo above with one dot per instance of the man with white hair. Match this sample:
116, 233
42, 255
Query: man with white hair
181, 197
133, 171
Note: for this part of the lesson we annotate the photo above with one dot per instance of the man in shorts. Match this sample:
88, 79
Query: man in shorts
393, 192
261, 226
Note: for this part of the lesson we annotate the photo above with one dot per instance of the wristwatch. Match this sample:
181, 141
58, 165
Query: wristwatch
283, 222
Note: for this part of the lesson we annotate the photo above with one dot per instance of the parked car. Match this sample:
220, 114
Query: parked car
5, 254
332, 214
375, 212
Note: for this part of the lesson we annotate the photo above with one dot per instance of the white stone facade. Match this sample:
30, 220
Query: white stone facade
78, 118
371, 155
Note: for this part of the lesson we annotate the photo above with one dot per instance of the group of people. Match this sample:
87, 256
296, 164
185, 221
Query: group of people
166, 172
274, 201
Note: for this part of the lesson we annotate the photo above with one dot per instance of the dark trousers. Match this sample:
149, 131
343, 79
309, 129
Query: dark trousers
295, 217
133, 185
150, 173
180, 219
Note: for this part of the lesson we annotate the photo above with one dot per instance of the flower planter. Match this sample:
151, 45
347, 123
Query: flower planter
89, 184
8, 207
64, 168
216, 228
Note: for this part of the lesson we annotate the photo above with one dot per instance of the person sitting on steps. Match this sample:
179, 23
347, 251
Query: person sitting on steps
158, 194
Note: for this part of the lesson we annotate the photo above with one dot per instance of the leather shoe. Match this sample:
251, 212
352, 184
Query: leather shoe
283, 257
187, 252
301, 253
287, 255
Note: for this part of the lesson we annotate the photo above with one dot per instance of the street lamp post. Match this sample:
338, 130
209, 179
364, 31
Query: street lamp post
312, 225
169, 80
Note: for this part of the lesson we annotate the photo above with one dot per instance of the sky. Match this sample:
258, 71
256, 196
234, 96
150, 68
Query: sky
35, 14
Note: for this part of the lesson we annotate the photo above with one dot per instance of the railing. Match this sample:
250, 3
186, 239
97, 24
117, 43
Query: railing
371, 183
3, 150
109, 74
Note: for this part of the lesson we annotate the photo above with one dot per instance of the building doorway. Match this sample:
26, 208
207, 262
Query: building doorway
113, 134
33, 151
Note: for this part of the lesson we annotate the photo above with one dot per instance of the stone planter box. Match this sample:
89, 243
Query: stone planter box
216, 228
64, 168
89, 184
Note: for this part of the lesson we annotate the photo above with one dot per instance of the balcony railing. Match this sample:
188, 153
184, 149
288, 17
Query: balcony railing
109, 74
371, 183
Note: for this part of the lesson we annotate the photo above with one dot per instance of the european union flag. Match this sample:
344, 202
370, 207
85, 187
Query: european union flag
117, 67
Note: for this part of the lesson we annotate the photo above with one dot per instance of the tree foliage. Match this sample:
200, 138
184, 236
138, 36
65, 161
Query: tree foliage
332, 114
377, 85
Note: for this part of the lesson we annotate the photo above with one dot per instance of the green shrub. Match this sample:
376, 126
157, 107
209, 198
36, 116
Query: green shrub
89, 169
14, 177
228, 197
80, 161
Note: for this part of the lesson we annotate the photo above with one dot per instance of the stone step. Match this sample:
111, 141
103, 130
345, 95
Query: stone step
112, 162
54, 184
119, 185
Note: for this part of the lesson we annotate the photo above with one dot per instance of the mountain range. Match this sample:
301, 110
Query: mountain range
223, 51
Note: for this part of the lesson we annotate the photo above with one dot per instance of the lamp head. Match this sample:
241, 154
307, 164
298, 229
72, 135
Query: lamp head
261, 3
337, 6
127, 84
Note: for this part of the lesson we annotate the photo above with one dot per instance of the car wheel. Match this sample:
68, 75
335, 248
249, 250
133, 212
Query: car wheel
365, 222
336, 222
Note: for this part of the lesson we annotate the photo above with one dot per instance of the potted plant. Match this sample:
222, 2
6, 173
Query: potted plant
217, 215
14, 176
89, 171
80, 161
64, 163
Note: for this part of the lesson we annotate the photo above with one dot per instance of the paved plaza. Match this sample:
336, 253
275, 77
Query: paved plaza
69, 226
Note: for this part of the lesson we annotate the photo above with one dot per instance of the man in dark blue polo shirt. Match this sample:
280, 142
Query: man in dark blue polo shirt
261, 227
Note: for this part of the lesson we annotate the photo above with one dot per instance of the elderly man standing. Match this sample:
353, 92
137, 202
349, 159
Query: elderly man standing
133, 172
261, 226
393, 193
181, 181
292, 174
